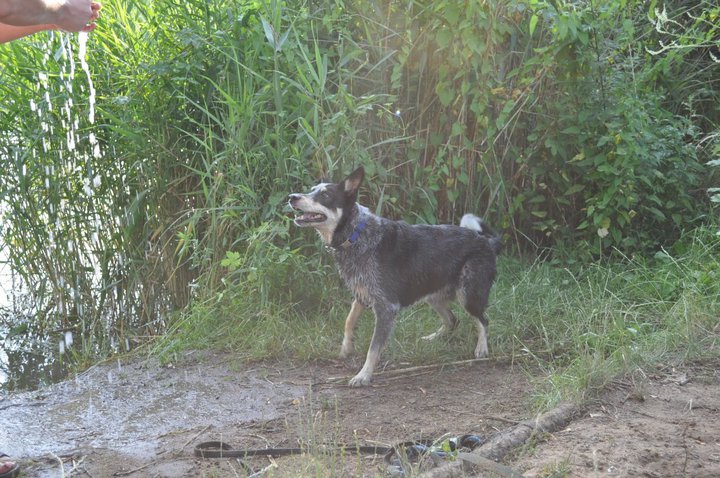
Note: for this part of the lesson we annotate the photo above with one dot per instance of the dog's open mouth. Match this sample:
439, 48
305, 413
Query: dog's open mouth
310, 218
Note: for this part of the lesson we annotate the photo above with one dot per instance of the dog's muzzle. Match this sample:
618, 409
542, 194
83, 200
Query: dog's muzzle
306, 218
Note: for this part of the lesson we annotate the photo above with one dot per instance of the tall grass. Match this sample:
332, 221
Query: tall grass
205, 122
210, 113
586, 327
62, 226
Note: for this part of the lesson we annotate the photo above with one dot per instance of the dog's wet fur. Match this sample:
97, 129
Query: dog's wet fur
389, 264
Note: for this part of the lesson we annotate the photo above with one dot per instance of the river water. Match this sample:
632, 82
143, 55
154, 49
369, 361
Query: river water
27, 362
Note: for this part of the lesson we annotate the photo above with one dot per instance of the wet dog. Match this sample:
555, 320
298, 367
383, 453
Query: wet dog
389, 264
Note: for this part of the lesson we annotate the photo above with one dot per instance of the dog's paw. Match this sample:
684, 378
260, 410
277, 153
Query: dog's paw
360, 380
481, 352
346, 352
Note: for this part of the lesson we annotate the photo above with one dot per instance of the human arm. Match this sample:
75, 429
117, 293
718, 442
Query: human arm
69, 15
12, 32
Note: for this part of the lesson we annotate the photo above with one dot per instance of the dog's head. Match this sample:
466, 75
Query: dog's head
327, 204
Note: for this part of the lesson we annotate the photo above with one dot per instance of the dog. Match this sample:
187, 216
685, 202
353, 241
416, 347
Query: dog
390, 264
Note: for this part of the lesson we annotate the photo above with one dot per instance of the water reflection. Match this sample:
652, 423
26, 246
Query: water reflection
29, 363
28, 358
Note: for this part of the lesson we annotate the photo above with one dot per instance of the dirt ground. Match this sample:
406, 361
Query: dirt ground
666, 424
136, 418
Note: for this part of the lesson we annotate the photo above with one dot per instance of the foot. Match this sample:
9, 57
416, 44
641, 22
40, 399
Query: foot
346, 350
481, 351
360, 380
8, 469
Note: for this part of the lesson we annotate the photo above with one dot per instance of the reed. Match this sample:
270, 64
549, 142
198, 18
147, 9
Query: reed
208, 114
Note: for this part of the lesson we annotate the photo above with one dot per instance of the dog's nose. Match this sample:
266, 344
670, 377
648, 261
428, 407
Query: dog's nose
293, 197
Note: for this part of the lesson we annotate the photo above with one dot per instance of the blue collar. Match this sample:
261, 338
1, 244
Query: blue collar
355, 235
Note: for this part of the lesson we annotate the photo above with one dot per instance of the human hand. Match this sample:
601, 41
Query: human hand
77, 15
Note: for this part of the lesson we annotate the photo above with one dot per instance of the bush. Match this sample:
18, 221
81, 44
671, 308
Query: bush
555, 121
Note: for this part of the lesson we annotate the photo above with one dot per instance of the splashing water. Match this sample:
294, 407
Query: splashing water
82, 54
65, 157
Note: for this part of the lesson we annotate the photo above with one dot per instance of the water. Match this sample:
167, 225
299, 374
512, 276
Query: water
32, 358
27, 360
139, 410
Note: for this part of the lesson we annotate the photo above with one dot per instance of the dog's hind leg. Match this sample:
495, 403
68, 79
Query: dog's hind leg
449, 320
473, 295
481, 349
476, 308
347, 344
384, 322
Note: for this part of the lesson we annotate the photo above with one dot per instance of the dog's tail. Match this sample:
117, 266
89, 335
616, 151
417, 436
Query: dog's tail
471, 221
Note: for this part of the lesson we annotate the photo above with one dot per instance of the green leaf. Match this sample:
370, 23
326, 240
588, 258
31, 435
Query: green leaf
269, 32
574, 189
445, 94
533, 23
231, 260
578, 157
457, 129
452, 13
282, 40
657, 213
444, 37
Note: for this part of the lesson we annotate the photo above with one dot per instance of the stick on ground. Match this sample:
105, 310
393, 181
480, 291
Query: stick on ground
402, 371
485, 456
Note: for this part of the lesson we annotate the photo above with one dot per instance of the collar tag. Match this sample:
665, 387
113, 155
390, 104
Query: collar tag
354, 236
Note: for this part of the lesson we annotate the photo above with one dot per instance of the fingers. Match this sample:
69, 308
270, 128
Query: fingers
94, 15
79, 16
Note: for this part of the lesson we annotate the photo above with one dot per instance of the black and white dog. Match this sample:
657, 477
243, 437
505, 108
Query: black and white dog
389, 264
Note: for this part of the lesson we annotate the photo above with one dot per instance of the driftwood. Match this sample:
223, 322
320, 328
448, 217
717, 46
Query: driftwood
484, 457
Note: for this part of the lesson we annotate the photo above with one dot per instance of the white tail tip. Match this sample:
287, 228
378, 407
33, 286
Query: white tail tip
471, 221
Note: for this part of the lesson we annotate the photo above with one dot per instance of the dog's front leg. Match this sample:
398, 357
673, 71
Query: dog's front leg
384, 322
347, 344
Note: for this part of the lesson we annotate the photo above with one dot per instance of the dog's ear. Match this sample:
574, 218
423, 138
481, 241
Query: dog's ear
351, 184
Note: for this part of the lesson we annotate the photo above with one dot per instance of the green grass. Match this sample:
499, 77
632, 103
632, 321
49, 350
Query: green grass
577, 329
209, 113
590, 326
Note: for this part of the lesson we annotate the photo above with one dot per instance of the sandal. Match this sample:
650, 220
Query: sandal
8, 469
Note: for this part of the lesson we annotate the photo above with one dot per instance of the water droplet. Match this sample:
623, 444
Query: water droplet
82, 53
